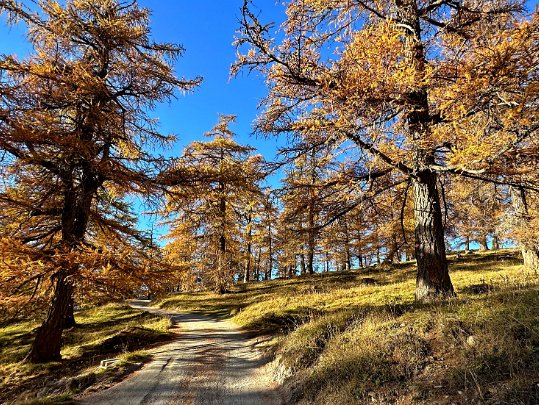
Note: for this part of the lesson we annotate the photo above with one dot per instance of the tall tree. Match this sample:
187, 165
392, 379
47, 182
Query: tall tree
423, 87
74, 127
222, 181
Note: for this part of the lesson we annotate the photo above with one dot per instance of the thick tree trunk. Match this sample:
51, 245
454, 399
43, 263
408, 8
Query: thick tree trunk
432, 271
467, 244
48, 341
529, 245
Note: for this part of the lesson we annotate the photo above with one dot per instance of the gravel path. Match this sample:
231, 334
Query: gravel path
212, 362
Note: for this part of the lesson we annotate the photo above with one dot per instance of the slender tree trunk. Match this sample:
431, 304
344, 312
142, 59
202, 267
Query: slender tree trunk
432, 270
326, 263
270, 253
257, 266
247, 273
70, 315
302, 264
529, 245
468, 244
495, 241
483, 243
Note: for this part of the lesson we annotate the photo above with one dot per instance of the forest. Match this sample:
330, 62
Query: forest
400, 209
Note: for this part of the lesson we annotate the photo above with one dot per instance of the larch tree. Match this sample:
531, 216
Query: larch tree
424, 87
212, 204
74, 136
303, 196
476, 211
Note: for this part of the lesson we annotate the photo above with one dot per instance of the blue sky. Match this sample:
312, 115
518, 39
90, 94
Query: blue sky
206, 30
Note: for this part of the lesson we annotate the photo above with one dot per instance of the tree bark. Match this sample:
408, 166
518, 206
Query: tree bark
48, 341
302, 263
432, 270
70, 315
529, 246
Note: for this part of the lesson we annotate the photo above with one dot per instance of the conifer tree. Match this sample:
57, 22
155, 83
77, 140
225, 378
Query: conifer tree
212, 204
424, 87
74, 131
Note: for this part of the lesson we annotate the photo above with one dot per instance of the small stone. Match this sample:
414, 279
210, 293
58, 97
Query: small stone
471, 341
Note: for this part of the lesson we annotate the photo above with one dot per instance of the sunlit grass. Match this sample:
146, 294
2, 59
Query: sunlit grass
105, 331
342, 341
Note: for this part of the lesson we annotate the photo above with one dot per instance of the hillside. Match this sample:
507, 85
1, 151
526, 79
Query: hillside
358, 336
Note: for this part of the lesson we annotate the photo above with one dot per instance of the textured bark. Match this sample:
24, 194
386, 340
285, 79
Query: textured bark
48, 341
76, 212
432, 270
432, 273
528, 246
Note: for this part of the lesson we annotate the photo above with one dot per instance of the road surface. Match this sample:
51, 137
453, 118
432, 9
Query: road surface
211, 362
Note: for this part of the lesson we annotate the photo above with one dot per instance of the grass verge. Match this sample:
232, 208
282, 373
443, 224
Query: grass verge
109, 331
359, 337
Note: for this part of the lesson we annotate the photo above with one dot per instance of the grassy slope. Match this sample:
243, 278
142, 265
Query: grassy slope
103, 332
346, 342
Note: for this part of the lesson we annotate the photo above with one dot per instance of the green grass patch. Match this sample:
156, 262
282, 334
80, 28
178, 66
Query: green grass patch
343, 340
107, 331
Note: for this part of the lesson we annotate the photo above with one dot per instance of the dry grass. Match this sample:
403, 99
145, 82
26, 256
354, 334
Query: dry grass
109, 331
344, 342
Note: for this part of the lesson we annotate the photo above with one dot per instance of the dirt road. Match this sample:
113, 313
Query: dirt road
212, 362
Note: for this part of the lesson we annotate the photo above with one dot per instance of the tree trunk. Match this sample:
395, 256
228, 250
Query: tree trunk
257, 265
247, 273
70, 315
302, 264
468, 244
326, 263
495, 241
432, 271
483, 243
529, 245
48, 341
267, 275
